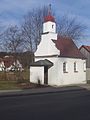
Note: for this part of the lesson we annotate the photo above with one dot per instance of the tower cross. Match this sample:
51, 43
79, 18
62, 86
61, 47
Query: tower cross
49, 10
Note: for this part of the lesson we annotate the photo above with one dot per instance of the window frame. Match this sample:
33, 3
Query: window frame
75, 67
65, 67
52, 26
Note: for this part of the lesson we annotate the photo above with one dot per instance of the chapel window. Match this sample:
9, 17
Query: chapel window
52, 26
75, 67
65, 67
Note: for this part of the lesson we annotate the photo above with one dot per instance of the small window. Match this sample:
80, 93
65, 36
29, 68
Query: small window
84, 66
75, 67
65, 67
52, 26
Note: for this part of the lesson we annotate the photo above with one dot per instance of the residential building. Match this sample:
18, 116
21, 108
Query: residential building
85, 50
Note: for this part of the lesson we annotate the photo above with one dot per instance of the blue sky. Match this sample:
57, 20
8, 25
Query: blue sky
11, 11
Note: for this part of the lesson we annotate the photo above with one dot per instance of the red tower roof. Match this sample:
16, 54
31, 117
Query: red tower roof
49, 18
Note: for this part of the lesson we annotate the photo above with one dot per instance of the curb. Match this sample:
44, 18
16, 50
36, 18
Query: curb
24, 93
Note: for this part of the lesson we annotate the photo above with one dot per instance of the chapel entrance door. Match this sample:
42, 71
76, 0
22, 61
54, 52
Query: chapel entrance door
46, 75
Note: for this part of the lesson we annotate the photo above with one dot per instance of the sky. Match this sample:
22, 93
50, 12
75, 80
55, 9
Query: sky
12, 11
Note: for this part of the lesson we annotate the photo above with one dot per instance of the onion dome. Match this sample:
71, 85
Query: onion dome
49, 18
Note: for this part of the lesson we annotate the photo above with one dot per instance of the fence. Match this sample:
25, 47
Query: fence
15, 76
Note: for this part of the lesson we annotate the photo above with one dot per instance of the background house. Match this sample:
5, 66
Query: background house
1, 64
85, 50
8, 63
25, 58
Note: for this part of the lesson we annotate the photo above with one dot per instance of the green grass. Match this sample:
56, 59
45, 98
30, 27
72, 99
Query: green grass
12, 80
15, 76
8, 85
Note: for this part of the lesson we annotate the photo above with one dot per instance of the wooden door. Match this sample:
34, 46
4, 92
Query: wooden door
45, 75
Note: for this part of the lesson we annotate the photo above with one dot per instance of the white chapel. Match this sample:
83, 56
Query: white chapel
58, 61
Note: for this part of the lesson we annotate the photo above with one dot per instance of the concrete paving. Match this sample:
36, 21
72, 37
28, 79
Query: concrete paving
45, 90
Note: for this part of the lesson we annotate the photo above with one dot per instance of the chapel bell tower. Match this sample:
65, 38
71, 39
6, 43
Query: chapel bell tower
49, 24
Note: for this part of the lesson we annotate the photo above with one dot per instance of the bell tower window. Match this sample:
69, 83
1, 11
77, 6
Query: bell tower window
52, 26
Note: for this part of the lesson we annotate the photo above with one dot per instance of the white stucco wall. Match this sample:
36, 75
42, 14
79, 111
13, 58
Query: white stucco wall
57, 77
47, 46
37, 73
49, 27
72, 77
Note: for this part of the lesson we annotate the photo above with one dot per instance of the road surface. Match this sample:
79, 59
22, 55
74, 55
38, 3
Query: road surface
74, 105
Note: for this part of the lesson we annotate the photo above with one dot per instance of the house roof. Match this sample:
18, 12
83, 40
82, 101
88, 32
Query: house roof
42, 63
86, 47
8, 61
68, 48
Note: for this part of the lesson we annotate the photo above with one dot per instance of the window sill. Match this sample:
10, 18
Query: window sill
76, 71
65, 72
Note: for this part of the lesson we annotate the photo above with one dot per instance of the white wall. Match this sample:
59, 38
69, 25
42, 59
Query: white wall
49, 27
37, 73
72, 77
56, 75
47, 46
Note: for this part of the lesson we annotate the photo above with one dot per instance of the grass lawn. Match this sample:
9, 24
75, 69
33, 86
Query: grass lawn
16, 80
11, 85
8, 85
12, 80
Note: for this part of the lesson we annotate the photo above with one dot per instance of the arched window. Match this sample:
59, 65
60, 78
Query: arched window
65, 67
75, 67
52, 26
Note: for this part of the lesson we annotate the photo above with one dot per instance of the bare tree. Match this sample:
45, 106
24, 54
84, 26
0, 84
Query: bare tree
1, 32
70, 27
32, 27
12, 38
27, 28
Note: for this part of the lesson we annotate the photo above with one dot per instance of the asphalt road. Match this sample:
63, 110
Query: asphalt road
73, 105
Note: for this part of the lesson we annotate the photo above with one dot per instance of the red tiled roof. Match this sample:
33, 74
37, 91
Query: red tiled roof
68, 48
86, 47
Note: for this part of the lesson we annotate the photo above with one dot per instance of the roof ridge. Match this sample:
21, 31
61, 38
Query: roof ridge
86, 47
